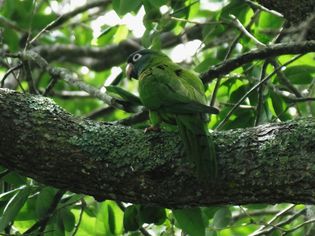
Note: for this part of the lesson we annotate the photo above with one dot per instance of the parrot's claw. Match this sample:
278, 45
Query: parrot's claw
152, 128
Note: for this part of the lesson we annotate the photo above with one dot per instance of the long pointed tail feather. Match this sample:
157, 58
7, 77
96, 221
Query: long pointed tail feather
199, 146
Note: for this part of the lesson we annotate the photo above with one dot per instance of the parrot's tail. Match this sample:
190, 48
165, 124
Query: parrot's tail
199, 146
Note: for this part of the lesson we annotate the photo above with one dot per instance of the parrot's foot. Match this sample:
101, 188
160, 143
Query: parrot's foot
152, 128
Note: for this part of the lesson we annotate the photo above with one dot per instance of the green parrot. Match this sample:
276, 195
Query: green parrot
176, 96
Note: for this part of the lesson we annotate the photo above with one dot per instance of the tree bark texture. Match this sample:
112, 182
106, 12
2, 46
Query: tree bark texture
265, 164
295, 12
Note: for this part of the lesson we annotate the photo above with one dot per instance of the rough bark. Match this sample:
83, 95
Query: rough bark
295, 11
270, 163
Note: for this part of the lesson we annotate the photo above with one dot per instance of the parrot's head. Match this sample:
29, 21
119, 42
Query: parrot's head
142, 59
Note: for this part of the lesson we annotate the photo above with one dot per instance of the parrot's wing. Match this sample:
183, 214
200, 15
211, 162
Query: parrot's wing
179, 94
191, 107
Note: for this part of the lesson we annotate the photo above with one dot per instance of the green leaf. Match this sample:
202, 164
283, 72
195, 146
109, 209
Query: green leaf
121, 34
115, 217
10, 37
68, 219
83, 39
237, 8
222, 218
131, 218
190, 220
106, 36
302, 74
42, 20
44, 200
121, 7
279, 106
210, 211
150, 214
8, 194
206, 64
15, 179
13, 207
109, 219
7, 8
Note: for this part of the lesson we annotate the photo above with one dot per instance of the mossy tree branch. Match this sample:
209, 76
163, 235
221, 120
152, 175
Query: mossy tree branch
270, 163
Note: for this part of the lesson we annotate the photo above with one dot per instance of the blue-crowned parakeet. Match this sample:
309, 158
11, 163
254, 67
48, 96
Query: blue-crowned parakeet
175, 95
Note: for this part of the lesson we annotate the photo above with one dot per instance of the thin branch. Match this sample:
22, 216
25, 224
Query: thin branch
70, 78
258, 6
65, 17
10, 24
253, 89
50, 86
29, 77
291, 97
42, 223
236, 39
239, 25
18, 66
299, 226
256, 213
228, 54
269, 228
273, 219
258, 54
101, 112
282, 77
77, 225
134, 119
260, 93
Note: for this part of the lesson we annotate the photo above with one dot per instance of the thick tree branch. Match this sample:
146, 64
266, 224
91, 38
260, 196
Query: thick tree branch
258, 54
270, 163
295, 11
100, 58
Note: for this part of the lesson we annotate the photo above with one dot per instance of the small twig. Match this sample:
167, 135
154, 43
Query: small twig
44, 30
185, 7
273, 219
12, 69
258, 6
29, 78
103, 111
253, 89
10, 24
4, 173
235, 41
256, 213
290, 96
298, 226
134, 119
197, 22
260, 93
239, 25
228, 54
258, 54
29, 33
282, 77
77, 225
41, 224
240, 106
51, 84
270, 228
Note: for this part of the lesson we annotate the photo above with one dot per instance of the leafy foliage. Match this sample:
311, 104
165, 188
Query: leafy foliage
93, 42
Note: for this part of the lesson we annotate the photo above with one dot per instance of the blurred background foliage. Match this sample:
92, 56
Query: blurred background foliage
93, 40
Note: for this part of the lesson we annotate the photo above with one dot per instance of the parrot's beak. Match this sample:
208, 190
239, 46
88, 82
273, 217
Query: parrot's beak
129, 70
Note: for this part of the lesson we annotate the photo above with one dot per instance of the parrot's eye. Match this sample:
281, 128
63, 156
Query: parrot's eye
136, 57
